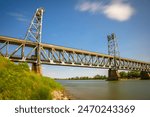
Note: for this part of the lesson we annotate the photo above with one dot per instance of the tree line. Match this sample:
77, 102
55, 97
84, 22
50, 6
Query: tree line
123, 75
130, 74
97, 77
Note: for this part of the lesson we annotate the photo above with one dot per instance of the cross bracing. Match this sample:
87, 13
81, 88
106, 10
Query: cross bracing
22, 50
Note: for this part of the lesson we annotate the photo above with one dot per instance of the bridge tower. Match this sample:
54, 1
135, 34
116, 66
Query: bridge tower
113, 50
34, 34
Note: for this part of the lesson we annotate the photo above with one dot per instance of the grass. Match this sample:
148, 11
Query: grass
17, 82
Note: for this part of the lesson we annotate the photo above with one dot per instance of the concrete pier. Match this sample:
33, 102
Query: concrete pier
37, 68
113, 75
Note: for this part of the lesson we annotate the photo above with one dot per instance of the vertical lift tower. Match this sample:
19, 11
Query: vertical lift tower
113, 50
34, 34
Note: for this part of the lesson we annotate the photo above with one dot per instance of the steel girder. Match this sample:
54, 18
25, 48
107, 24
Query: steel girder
22, 50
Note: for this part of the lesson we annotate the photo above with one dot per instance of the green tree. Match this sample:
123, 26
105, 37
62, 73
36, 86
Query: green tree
123, 74
134, 74
97, 77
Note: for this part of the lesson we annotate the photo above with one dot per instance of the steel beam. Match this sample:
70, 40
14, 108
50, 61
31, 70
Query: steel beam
59, 55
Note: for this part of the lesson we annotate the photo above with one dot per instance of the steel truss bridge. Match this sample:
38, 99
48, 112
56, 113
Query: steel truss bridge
39, 53
59, 55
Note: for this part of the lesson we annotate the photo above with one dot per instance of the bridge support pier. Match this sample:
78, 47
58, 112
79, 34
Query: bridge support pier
145, 75
37, 68
113, 75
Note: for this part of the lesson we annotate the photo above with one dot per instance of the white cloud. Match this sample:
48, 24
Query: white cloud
89, 6
22, 19
119, 11
18, 16
116, 9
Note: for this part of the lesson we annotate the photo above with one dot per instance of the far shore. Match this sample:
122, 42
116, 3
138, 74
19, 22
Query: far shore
98, 79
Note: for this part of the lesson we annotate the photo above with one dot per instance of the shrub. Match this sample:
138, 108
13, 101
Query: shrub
17, 82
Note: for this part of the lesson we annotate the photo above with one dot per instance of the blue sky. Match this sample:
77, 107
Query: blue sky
83, 24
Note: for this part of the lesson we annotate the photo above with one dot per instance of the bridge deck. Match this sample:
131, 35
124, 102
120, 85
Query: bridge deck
23, 50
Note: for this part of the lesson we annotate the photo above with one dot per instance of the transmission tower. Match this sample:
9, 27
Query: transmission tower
34, 31
113, 49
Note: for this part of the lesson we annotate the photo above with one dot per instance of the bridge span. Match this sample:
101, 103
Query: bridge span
39, 53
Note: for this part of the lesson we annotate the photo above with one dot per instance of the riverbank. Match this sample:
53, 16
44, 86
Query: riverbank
130, 78
17, 82
61, 95
103, 79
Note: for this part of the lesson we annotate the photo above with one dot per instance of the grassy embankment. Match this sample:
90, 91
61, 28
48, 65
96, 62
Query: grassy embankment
17, 82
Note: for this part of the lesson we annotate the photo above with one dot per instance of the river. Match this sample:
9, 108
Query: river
108, 90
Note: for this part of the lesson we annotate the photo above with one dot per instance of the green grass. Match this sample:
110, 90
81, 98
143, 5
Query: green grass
18, 83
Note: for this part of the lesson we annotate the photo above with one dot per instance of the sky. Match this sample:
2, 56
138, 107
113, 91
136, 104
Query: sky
82, 24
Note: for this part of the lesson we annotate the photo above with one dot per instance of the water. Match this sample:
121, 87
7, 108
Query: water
108, 90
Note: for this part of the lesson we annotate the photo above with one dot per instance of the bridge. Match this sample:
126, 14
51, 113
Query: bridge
31, 50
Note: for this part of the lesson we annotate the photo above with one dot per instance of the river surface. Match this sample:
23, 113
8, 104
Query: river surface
108, 90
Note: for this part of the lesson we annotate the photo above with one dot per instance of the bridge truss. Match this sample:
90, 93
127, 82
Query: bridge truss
22, 50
